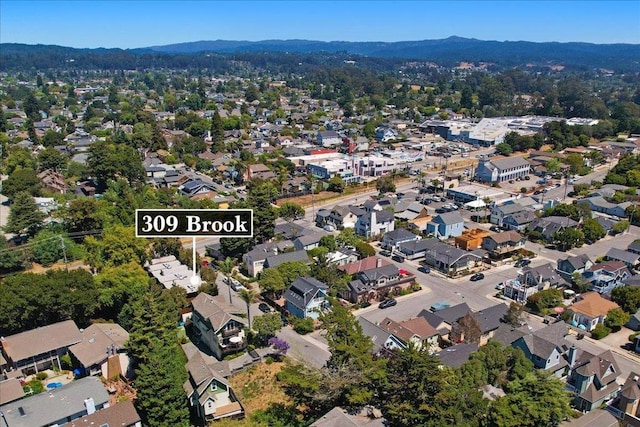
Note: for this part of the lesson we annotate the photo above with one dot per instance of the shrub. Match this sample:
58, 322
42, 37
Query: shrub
303, 326
268, 360
41, 376
66, 363
600, 332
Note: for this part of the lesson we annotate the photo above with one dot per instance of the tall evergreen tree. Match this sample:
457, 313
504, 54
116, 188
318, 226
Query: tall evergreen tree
217, 132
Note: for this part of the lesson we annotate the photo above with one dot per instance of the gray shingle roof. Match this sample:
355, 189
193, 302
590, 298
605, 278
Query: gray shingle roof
303, 290
509, 162
295, 256
55, 405
41, 340
456, 355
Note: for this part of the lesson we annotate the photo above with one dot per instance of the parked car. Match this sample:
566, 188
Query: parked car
522, 263
494, 228
328, 227
264, 307
527, 177
500, 286
234, 284
476, 277
385, 252
390, 302
424, 269
398, 258
440, 305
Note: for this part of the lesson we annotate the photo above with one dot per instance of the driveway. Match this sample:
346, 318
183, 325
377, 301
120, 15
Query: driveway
618, 339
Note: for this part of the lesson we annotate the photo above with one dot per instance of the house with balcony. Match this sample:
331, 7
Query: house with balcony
500, 212
518, 291
39, 349
574, 264
543, 276
519, 221
502, 245
342, 217
209, 394
102, 342
591, 309
605, 277
593, 380
306, 297
217, 325
471, 240
375, 278
630, 259
416, 331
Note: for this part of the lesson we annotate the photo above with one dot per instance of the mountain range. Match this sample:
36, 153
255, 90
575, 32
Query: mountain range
448, 52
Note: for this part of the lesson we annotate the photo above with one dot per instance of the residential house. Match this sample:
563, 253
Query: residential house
630, 259
197, 189
415, 249
255, 258
471, 240
306, 297
260, 171
550, 225
53, 181
519, 221
451, 260
209, 394
384, 342
10, 390
489, 319
329, 138
342, 217
290, 230
217, 326
543, 276
628, 401
374, 223
590, 309
599, 204
604, 277
338, 417
547, 348
393, 239
500, 245
58, 406
385, 134
500, 212
411, 212
447, 317
593, 379
416, 331
374, 282
41, 348
634, 321
342, 256
456, 355
121, 414
308, 241
273, 261
574, 264
446, 225
500, 170
100, 342
634, 247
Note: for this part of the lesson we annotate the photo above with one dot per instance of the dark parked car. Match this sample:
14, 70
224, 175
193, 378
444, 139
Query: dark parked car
424, 269
398, 258
494, 228
263, 307
522, 263
388, 303
477, 276
385, 252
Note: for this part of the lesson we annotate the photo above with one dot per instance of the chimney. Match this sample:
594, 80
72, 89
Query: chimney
90, 405
573, 356
378, 262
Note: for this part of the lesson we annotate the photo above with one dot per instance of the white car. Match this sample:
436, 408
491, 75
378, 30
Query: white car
328, 227
234, 284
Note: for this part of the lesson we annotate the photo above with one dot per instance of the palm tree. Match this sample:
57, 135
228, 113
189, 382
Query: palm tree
487, 201
249, 296
226, 267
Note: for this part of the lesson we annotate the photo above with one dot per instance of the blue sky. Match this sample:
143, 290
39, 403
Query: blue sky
130, 24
